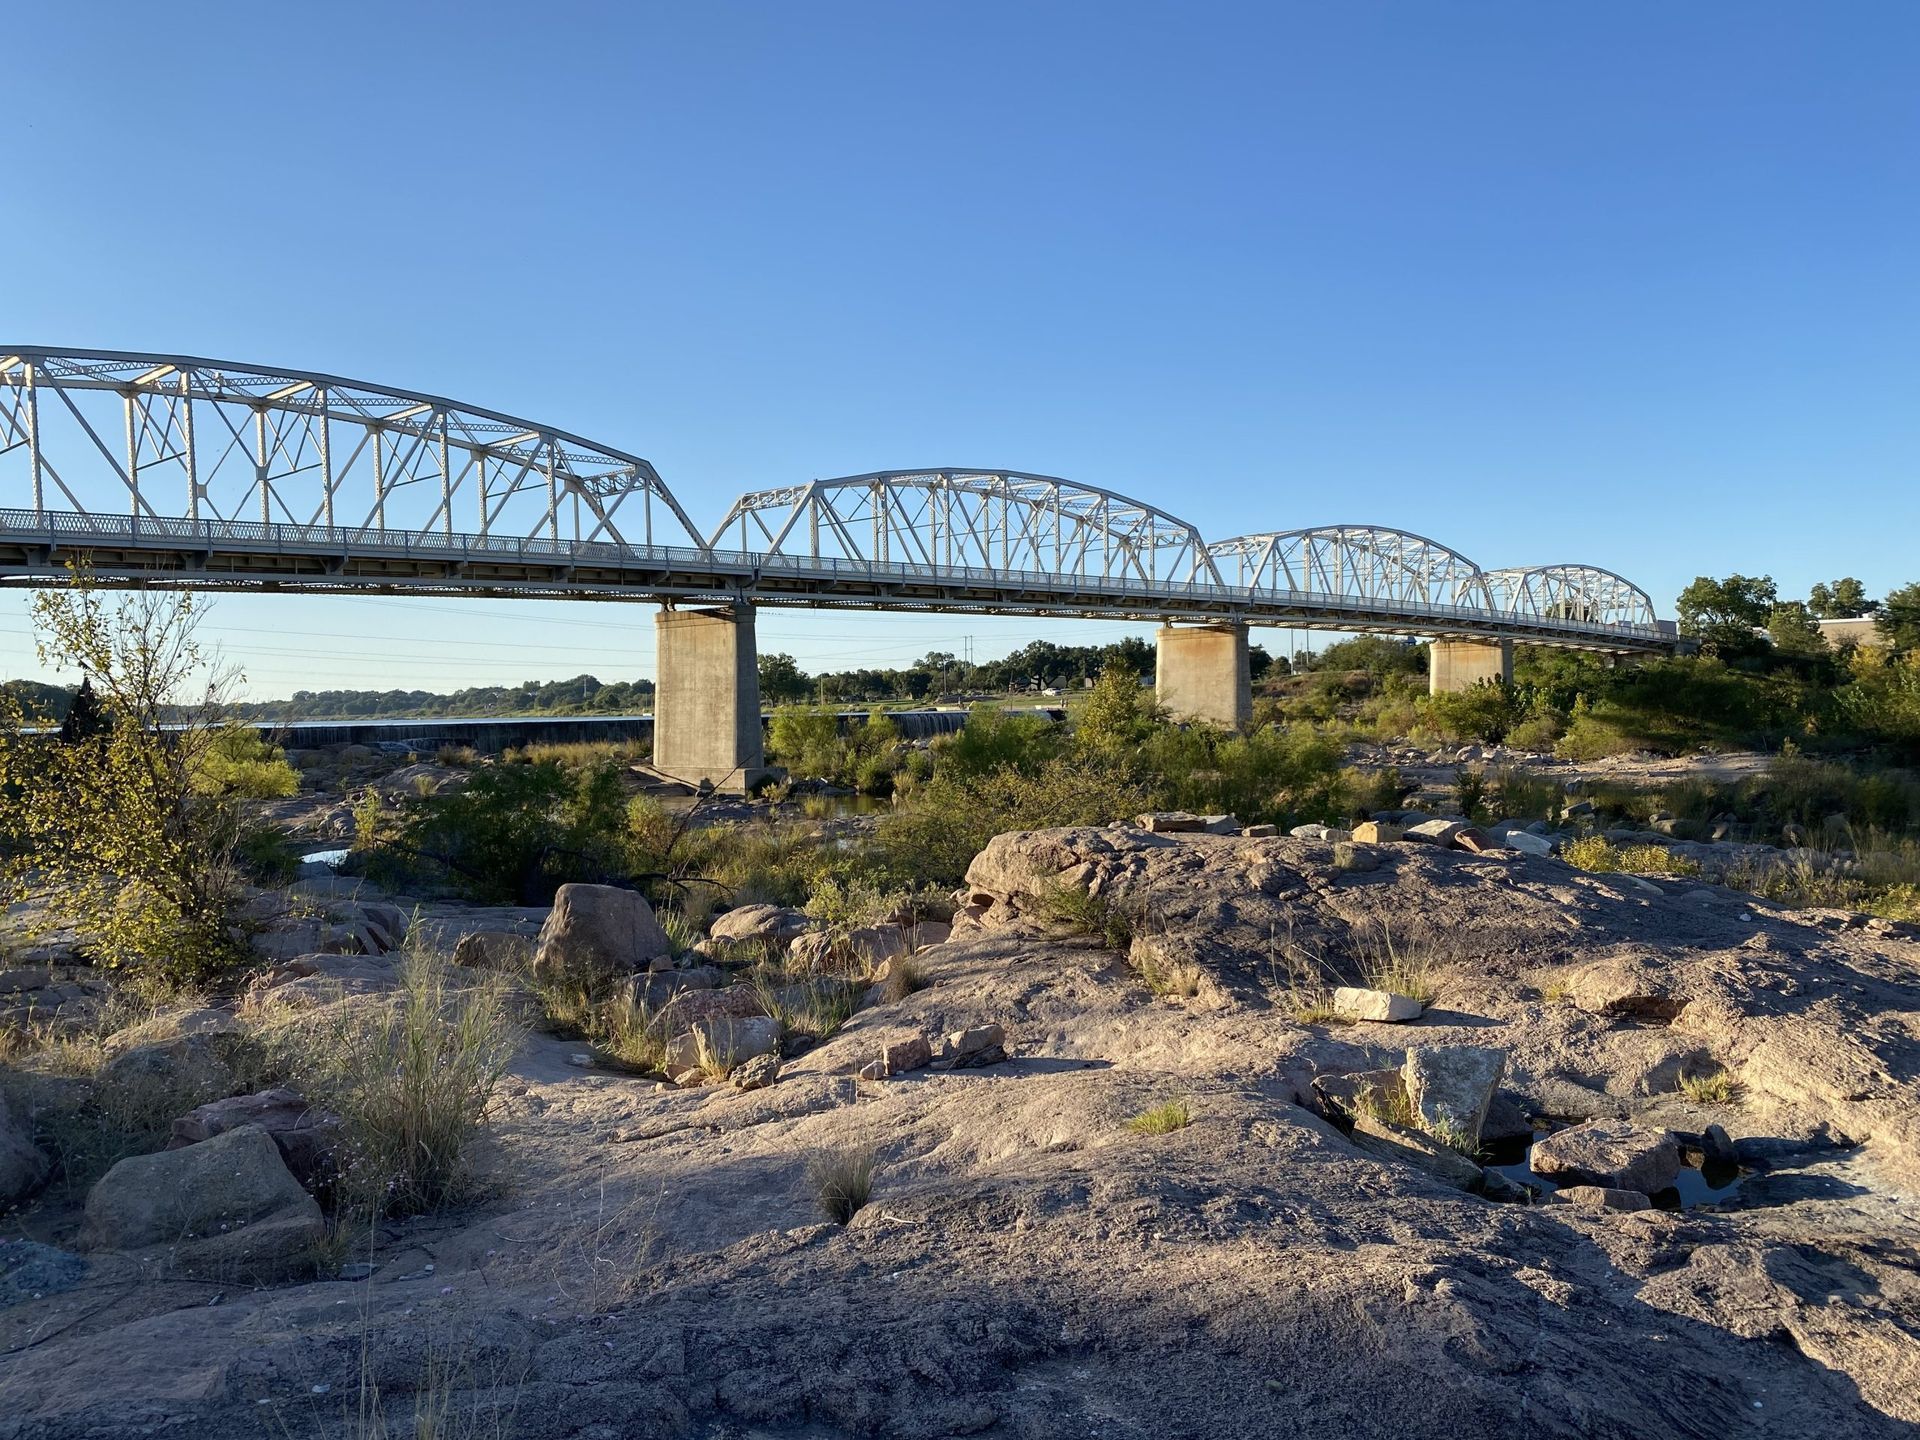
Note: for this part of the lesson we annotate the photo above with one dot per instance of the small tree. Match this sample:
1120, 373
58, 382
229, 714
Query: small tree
1726, 615
1899, 618
1793, 632
1844, 600
110, 828
1118, 715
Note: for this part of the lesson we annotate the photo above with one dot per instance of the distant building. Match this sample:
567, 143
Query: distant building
1860, 631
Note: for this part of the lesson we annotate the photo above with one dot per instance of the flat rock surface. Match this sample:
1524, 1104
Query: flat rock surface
652, 1262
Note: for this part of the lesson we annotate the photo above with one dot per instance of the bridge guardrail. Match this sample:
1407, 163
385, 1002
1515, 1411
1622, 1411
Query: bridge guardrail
56, 528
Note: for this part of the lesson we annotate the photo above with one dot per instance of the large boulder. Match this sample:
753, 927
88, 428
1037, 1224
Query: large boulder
309, 1138
1610, 1154
23, 1169
226, 1209
689, 1008
309, 981
1450, 1087
723, 1042
1624, 986
598, 933
776, 926
501, 950
186, 1070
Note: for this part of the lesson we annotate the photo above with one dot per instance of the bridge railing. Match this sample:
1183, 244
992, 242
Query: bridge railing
70, 529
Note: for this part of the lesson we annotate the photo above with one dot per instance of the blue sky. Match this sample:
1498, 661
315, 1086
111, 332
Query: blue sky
1634, 284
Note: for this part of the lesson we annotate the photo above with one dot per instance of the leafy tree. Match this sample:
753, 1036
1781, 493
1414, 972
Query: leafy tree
1844, 600
1793, 632
1378, 655
1726, 614
111, 830
514, 833
1118, 715
1259, 662
782, 682
1899, 618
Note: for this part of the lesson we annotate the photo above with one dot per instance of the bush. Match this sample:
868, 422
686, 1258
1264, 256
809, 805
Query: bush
236, 761
1484, 713
932, 839
514, 833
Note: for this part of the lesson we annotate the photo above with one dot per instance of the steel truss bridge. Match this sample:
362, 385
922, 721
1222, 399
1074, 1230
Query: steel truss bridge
185, 472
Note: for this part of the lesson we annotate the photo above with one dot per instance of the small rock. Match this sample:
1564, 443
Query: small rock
1220, 824
1343, 1096
1436, 832
983, 1045
1718, 1147
775, 925
225, 1208
1450, 1088
901, 1056
1351, 1002
755, 1073
1170, 822
1478, 841
309, 1138
1600, 1197
1378, 832
1528, 843
727, 1041
1261, 831
1613, 1154
1354, 858
1395, 1142
1308, 832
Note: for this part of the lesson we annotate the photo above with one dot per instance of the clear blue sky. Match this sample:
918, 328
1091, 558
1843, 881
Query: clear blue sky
1632, 283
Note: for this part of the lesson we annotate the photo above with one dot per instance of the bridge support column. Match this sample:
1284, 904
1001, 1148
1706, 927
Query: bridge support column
706, 709
1462, 664
1201, 674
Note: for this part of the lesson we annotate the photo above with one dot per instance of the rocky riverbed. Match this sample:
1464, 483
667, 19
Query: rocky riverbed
650, 1259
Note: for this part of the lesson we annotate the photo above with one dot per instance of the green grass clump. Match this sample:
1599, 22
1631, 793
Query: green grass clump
1600, 855
1716, 1087
1162, 1119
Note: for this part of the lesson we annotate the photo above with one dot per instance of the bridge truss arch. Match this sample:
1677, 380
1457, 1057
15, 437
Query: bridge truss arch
1584, 594
1369, 564
221, 447
967, 524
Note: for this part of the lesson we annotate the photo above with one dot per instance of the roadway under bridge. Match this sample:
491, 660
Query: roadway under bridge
171, 470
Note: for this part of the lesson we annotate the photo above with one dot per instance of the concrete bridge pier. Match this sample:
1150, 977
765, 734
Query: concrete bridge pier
1201, 674
706, 709
1462, 664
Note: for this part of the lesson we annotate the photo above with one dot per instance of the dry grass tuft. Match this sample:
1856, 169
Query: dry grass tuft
842, 1181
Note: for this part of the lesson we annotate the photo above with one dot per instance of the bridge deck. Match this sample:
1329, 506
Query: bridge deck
127, 550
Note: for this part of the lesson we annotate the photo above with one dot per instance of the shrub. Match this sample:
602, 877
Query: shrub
515, 832
842, 1181
1083, 913
236, 761
1406, 964
1538, 734
112, 827
1161, 1119
1484, 712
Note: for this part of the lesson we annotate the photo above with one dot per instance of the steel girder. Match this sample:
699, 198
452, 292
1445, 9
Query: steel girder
168, 469
1362, 562
959, 520
182, 437
1570, 592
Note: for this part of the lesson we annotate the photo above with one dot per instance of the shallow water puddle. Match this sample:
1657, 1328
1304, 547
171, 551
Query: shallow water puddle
1693, 1188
